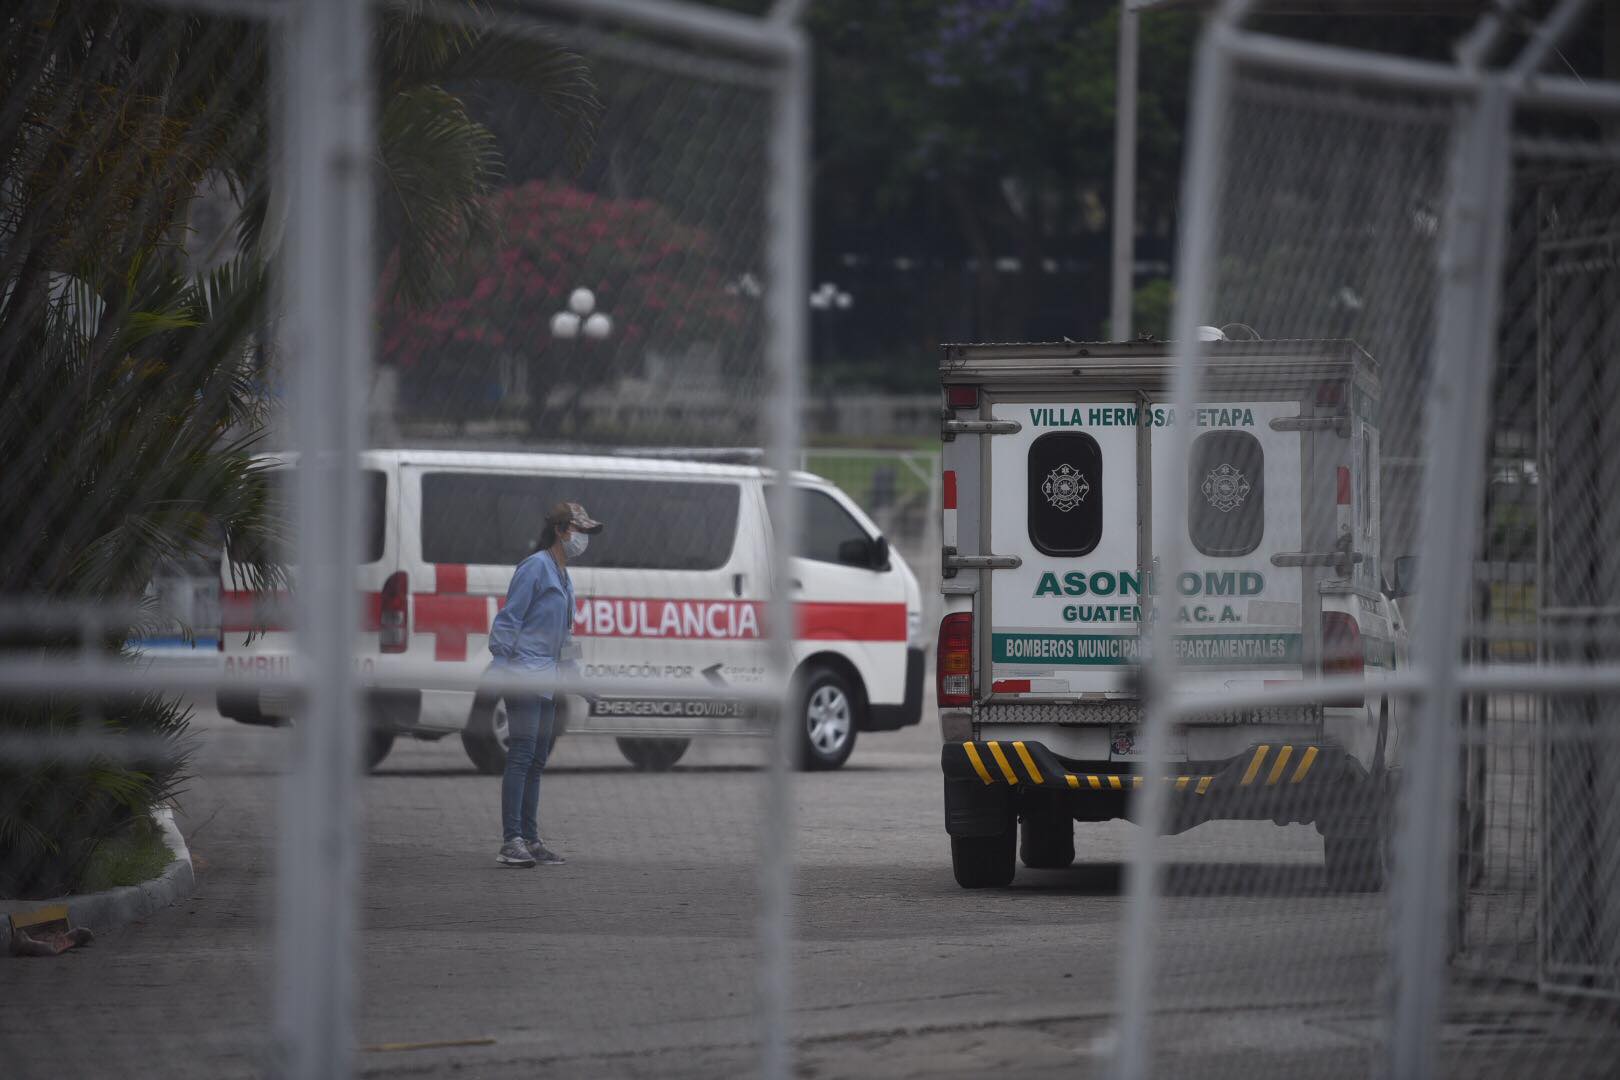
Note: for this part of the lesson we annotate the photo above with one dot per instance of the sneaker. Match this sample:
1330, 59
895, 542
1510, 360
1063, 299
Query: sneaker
542, 854
514, 853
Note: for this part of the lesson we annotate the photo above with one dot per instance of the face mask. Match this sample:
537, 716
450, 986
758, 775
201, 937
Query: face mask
575, 543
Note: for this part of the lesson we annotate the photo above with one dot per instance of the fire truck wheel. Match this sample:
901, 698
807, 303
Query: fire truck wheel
1047, 841
1355, 863
1359, 854
985, 862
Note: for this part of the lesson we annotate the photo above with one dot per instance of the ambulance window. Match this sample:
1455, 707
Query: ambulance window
654, 524
279, 498
1065, 494
1226, 493
375, 486
827, 526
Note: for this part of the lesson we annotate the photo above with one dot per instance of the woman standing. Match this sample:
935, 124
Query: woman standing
529, 634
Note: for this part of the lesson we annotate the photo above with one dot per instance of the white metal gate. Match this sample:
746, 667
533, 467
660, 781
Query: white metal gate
735, 93
1371, 193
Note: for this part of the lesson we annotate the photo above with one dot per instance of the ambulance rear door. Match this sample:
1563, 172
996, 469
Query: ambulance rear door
1238, 601
1062, 491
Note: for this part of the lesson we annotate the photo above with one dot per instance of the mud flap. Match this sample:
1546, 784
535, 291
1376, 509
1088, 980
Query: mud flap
975, 809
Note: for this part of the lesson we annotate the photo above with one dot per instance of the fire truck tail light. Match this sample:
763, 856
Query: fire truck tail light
1330, 393
1342, 652
954, 667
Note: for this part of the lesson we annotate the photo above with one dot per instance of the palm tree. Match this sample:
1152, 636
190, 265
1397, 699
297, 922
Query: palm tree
129, 410
437, 161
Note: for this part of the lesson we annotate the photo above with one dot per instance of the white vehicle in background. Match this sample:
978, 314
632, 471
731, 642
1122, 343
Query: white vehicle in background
1053, 454
674, 589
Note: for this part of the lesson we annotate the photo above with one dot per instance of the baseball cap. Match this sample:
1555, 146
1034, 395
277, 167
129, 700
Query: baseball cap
574, 516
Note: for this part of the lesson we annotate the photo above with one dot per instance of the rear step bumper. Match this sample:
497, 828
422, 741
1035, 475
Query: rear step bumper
1296, 782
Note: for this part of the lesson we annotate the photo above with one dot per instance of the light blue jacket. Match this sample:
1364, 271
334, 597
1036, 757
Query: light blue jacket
529, 633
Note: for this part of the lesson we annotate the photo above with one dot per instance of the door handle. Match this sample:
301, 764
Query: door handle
736, 585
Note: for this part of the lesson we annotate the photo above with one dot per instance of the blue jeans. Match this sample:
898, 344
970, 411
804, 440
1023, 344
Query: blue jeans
530, 722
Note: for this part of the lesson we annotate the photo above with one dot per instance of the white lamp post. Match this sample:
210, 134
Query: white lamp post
829, 297
580, 317
577, 322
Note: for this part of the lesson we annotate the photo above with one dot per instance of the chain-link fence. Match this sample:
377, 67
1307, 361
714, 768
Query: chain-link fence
331, 331
900, 489
283, 282
1453, 221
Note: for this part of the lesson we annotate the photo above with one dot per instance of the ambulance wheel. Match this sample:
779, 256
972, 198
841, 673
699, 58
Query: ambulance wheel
1047, 841
653, 755
485, 737
244, 709
826, 720
985, 862
378, 743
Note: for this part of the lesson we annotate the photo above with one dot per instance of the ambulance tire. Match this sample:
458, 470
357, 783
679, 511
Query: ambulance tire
653, 755
244, 709
484, 737
827, 720
986, 862
378, 743
1046, 841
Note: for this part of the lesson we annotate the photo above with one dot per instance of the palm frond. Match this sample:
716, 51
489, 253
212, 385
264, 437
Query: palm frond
558, 77
437, 165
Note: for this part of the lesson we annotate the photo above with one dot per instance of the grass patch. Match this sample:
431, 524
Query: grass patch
135, 854
858, 475
872, 442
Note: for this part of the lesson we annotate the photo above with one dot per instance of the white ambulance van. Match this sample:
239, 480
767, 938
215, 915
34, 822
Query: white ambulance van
674, 588
1053, 455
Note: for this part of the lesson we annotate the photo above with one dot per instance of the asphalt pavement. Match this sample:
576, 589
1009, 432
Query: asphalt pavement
637, 958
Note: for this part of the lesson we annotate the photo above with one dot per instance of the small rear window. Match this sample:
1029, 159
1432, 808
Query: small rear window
1065, 494
495, 519
1226, 493
279, 499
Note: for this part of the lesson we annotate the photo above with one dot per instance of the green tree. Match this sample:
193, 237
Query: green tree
438, 162
1152, 305
662, 279
130, 401
989, 125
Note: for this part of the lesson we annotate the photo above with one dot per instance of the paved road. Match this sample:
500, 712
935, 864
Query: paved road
637, 958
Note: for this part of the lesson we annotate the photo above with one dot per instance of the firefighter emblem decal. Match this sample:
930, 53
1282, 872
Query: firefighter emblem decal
1065, 488
1225, 488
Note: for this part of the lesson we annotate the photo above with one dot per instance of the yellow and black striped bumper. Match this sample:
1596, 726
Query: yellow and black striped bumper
1031, 766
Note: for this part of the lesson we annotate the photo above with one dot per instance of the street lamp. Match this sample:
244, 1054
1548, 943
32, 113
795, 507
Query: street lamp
581, 319
577, 322
829, 297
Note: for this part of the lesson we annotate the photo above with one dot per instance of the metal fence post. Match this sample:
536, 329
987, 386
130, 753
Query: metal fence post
787, 284
1459, 407
1124, 238
326, 131
1211, 91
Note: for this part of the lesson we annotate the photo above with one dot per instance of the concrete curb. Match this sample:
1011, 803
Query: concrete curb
103, 911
